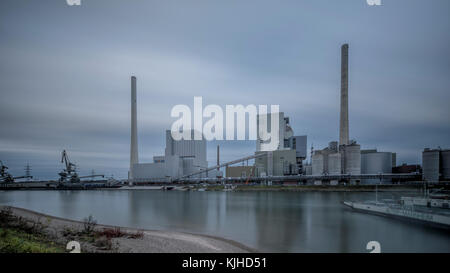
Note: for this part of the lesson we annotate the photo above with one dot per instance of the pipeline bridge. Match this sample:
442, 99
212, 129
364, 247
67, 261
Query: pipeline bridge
285, 178
305, 178
226, 164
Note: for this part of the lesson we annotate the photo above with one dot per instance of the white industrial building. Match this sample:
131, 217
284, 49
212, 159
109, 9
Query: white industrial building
181, 157
287, 158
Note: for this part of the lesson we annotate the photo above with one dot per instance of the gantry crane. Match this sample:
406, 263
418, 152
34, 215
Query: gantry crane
6, 177
69, 174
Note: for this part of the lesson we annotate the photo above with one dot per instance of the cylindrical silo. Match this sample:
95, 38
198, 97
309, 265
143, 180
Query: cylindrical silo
317, 164
430, 165
445, 156
334, 164
352, 159
376, 163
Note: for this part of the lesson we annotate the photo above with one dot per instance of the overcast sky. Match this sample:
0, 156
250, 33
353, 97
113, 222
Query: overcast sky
65, 74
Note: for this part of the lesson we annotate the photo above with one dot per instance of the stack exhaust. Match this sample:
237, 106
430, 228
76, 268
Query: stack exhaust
343, 129
134, 144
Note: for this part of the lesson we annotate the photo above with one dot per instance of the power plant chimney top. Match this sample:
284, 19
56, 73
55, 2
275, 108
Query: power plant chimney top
343, 128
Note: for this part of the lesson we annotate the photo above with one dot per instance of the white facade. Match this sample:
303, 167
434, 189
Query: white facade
334, 164
181, 158
266, 145
276, 163
143, 170
351, 158
317, 164
187, 149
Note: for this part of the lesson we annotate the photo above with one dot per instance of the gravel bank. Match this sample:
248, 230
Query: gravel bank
152, 241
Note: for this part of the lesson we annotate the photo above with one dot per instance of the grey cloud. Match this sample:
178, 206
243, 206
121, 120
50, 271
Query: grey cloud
64, 73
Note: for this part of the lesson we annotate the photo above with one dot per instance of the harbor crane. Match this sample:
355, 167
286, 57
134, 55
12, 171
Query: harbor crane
69, 174
6, 177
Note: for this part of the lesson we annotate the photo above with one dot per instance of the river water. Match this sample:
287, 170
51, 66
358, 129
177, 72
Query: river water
268, 221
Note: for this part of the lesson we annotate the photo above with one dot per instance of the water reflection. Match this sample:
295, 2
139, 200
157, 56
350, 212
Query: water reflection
268, 221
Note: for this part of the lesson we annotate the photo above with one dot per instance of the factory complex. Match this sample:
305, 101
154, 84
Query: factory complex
281, 161
341, 161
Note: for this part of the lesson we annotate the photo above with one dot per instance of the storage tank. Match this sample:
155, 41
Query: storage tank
334, 164
317, 164
430, 163
376, 163
445, 156
352, 159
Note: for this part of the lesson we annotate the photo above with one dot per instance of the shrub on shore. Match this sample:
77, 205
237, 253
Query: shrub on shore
17, 241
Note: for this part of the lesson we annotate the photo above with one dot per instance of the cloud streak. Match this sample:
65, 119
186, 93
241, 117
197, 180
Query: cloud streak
65, 74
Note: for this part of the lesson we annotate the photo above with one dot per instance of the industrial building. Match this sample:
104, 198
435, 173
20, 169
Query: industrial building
240, 171
346, 157
180, 158
187, 158
342, 161
405, 168
276, 163
320, 160
436, 165
288, 158
343, 157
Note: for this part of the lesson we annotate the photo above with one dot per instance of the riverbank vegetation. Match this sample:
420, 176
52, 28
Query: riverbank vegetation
100, 238
19, 236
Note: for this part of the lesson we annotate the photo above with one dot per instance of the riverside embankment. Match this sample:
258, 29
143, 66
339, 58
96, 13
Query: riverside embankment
95, 237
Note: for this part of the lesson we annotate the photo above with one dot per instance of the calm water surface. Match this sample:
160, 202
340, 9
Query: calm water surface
267, 221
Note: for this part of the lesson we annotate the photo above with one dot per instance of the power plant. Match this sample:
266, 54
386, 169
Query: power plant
341, 161
343, 157
181, 157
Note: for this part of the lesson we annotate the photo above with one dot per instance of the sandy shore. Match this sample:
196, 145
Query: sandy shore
152, 241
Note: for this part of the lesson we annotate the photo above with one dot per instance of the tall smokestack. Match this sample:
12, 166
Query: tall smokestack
134, 145
218, 158
343, 130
